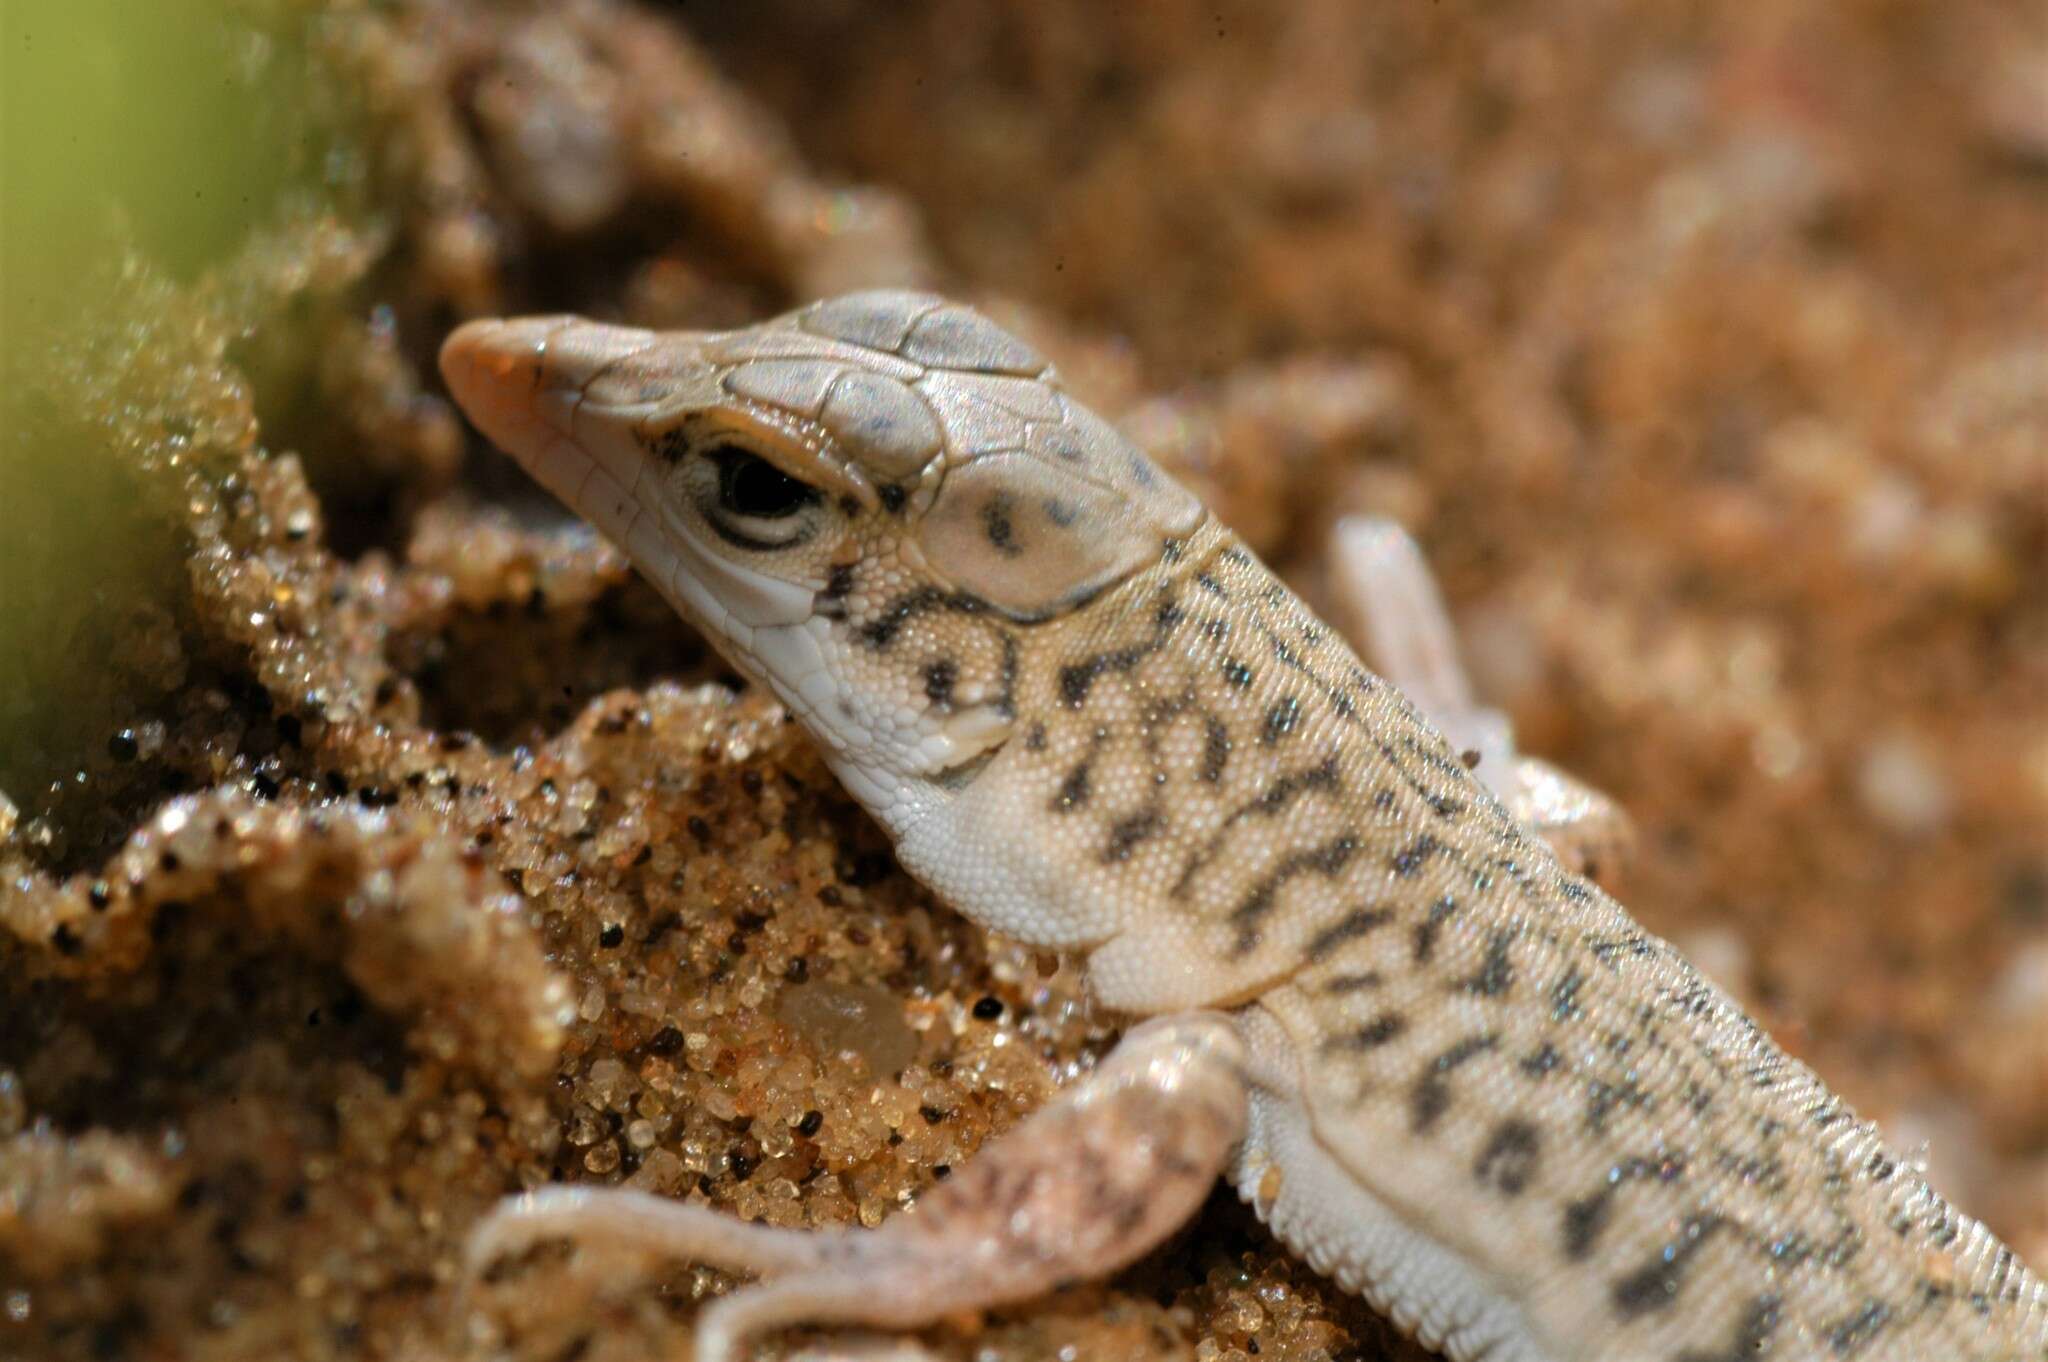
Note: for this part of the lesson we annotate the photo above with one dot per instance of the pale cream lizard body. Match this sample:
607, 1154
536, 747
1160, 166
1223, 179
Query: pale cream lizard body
1447, 1070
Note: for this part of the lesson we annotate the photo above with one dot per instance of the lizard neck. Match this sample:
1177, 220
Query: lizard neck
1195, 757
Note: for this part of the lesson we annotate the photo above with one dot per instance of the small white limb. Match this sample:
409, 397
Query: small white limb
1588, 830
1081, 1188
1397, 615
865, 1349
1391, 601
640, 1220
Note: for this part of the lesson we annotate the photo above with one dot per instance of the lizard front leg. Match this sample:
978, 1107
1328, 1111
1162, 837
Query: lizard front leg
1081, 1188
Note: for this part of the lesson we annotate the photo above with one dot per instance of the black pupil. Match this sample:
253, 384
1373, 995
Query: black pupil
751, 486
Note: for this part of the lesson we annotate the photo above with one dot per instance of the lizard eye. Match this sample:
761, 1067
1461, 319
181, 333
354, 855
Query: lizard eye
749, 485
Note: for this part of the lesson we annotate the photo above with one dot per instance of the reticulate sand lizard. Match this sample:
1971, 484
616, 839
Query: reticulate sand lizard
1450, 1072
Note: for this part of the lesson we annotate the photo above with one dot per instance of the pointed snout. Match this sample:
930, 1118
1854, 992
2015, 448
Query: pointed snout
520, 379
563, 396
495, 369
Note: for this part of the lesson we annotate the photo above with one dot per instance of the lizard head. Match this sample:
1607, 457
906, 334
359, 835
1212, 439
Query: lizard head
862, 503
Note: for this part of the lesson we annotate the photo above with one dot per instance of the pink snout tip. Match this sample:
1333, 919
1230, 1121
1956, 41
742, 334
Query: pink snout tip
514, 376
496, 370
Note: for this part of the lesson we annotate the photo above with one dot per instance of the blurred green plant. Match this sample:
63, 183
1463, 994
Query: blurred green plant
141, 141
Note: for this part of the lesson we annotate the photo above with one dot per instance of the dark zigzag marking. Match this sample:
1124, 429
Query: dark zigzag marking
1276, 797
1655, 1285
1076, 679
1326, 860
1431, 1096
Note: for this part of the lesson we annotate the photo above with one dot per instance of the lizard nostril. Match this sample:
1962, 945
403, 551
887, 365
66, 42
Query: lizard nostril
492, 368
493, 350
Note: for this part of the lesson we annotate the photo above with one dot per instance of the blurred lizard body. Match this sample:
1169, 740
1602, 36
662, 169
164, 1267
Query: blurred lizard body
1447, 1070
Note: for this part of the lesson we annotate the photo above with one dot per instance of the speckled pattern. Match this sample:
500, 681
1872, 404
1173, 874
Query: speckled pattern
1699, 347
1178, 769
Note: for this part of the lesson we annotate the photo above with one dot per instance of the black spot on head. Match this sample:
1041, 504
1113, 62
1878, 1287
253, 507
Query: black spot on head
838, 582
892, 496
1060, 513
1062, 443
1509, 1159
939, 679
996, 524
